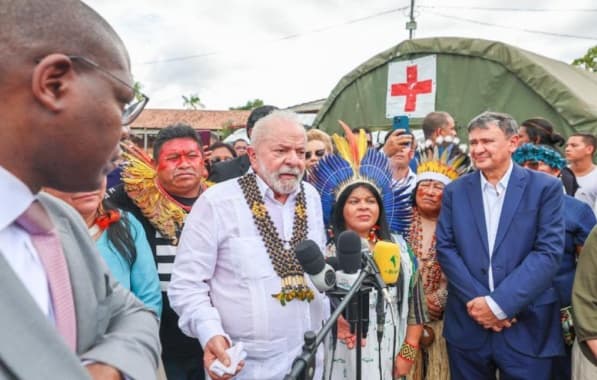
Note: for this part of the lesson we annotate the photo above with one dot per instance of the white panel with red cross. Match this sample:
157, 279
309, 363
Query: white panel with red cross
411, 87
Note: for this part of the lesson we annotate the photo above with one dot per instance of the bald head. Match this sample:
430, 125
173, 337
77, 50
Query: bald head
270, 126
64, 85
32, 29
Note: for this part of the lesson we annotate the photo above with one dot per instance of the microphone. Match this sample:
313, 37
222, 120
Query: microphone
349, 259
372, 268
387, 257
386, 267
311, 259
348, 251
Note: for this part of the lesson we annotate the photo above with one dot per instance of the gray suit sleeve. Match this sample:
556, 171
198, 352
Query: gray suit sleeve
113, 326
131, 340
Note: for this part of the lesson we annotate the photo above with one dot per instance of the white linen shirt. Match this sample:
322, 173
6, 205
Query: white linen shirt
223, 280
493, 202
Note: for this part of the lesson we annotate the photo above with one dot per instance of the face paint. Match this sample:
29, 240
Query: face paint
180, 166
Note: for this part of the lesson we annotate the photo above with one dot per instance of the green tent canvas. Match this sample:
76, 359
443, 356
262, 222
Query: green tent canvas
472, 76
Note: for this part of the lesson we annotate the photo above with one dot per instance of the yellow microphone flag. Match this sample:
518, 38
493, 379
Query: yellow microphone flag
387, 257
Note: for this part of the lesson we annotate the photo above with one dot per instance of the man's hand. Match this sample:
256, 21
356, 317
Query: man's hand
100, 371
435, 311
216, 349
503, 324
398, 141
479, 310
345, 335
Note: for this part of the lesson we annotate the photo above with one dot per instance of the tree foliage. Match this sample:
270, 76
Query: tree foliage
137, 87
588, 61
251, 104
192, 102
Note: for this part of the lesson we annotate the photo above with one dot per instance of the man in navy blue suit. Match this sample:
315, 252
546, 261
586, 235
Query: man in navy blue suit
500, 238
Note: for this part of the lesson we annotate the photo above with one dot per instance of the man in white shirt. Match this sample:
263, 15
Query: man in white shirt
235, 277
580, 149
65, 85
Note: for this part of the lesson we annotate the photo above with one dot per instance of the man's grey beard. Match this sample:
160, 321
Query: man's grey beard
274, 182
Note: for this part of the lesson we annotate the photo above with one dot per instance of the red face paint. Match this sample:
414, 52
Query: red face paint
180, 167
177, 152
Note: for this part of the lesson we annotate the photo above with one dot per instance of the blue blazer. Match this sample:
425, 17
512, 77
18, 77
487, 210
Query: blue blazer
526, 256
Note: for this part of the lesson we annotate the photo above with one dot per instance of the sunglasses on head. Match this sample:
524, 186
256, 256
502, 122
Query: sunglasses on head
319, 153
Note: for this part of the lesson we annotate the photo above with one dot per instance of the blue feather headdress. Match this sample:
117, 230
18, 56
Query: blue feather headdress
355, 164
541, 153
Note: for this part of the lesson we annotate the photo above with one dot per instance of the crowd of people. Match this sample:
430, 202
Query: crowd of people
184, 266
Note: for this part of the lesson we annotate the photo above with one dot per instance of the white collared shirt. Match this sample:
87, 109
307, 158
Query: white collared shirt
15, 244
493, 202
223, 280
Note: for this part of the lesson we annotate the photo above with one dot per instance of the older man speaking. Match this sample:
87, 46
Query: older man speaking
236, 278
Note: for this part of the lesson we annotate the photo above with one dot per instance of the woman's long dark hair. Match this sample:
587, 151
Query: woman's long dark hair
120, 235
542, 132
337, 219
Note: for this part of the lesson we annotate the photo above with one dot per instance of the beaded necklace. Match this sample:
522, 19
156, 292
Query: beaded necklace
430, 268
281, 253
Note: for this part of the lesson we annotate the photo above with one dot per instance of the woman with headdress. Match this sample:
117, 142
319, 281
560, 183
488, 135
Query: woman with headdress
438, 165
356, 190
579, 220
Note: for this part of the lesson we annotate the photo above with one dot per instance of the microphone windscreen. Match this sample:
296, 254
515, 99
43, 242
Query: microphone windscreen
309, 256
387, 258
348, 251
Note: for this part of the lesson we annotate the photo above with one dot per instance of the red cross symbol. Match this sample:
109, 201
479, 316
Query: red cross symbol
411, 88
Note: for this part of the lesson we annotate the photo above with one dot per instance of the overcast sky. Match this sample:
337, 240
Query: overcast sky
291, 52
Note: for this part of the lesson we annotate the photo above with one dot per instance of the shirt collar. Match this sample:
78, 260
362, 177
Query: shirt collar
502, 183
268, 193
16, 198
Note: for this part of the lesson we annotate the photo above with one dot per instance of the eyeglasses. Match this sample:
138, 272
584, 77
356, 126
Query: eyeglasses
319, 153
133, 109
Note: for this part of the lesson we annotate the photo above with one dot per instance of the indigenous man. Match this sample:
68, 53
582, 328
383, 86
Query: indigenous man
236, 279
160, 193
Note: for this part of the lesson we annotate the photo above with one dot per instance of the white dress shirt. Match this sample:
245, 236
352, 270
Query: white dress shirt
493, 202
223, 280
15, 244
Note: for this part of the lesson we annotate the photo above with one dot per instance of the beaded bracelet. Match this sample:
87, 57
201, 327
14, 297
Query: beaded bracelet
408, 352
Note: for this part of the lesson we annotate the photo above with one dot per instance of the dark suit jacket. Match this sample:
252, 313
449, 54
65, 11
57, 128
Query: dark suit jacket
526, 256
113, 327
225, 170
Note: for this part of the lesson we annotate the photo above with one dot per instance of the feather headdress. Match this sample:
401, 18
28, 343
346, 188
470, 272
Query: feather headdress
141, 185
443, 161
353, 163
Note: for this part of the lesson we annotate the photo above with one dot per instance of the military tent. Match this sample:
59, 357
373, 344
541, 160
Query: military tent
472, 76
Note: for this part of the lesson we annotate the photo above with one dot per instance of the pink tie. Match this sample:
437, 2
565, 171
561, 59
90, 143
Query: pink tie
37, 223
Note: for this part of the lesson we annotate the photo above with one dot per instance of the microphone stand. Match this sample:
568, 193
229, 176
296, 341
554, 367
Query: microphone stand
303, 367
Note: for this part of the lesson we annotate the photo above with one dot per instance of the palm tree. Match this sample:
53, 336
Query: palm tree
192, 102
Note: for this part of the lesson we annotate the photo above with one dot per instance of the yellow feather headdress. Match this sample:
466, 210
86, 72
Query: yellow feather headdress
444, 162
